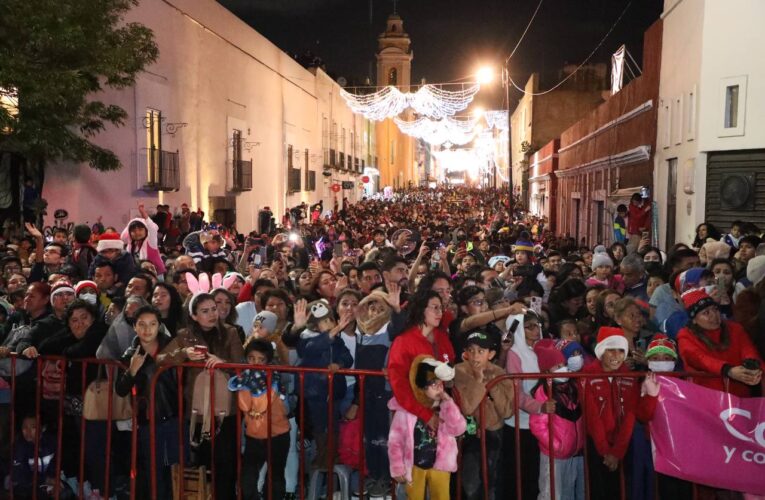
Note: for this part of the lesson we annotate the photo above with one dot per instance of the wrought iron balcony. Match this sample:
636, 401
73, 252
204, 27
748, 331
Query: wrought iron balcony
163, 171
242, 178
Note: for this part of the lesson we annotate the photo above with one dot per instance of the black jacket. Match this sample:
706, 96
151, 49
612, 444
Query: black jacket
65, 344
166, 392
42, 328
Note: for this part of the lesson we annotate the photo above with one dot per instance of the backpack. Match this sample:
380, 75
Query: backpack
202, 424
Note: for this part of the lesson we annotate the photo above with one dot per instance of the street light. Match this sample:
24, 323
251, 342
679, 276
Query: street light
484, 75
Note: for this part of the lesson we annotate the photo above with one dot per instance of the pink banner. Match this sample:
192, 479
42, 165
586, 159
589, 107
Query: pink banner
709, 437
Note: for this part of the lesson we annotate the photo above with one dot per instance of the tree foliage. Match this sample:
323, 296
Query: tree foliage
56, 55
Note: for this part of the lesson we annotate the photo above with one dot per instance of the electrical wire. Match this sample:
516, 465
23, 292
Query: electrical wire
524, 32
602, 41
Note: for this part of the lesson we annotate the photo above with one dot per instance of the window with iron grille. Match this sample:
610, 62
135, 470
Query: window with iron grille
162, 167
332, 158
241, 169
293, 174
153, 124
342, 160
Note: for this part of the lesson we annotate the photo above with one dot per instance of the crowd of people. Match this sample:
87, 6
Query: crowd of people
444, 292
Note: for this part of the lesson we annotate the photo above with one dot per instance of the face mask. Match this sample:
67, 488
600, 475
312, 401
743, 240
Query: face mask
661, 366
575, 363
562, 369
90, 298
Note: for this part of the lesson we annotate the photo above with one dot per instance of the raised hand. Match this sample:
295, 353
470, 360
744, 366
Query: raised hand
650, 386
300, 314
32, 230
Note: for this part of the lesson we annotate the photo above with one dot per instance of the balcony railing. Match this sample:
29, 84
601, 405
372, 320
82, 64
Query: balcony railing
164, 171
242, 179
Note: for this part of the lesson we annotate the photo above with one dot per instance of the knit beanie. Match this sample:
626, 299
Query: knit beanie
661, 344
697, 300
60, 287
569, 347
524, 246
601, 259
110, 241
85, 284
610, 337
599, 249
81, 233
548, 355
688, 279
755, 269
267, 319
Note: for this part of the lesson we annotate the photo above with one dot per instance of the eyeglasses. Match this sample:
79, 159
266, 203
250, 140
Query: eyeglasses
436, 308
477, 302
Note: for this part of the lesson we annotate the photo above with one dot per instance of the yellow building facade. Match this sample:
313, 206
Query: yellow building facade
395, 150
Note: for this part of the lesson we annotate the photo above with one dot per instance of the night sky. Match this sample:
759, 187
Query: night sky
451, 38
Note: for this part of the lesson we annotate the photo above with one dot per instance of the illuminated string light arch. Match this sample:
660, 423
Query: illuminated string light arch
429, 101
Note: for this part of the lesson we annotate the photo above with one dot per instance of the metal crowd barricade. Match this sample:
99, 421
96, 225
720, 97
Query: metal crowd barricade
518, 378
300, 373
111, 366
269, 369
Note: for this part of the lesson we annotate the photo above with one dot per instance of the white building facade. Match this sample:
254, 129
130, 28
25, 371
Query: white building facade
710, 149
223, 121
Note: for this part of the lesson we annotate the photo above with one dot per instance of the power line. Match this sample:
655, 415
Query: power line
524, 31
602, 41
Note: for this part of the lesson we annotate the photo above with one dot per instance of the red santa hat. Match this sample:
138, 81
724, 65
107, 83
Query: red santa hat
109, 241
610, 337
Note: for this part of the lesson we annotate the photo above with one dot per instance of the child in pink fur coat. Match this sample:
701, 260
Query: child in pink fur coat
420, 456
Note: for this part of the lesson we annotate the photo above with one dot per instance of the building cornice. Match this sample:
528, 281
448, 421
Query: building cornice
628, 157
646, 106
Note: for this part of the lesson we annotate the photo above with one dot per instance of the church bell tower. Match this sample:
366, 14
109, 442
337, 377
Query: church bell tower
395, 150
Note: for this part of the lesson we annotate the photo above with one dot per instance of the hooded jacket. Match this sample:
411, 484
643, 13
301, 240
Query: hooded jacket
149, 250
401, 436
522, 359
568, 436
403, 351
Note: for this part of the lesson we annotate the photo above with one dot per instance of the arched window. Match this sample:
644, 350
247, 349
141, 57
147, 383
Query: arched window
392, 76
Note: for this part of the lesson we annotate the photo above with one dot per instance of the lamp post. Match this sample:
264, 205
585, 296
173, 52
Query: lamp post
506, 84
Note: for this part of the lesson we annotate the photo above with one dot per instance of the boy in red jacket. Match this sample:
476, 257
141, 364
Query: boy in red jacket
611, 405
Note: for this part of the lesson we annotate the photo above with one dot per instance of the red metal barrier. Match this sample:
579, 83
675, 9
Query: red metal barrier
362, 375
111, 365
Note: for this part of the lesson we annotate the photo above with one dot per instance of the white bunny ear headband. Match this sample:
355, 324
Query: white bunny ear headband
442, 370
197, 287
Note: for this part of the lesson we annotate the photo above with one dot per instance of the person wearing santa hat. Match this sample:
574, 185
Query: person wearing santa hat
613, 404
112, 249
710, 345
